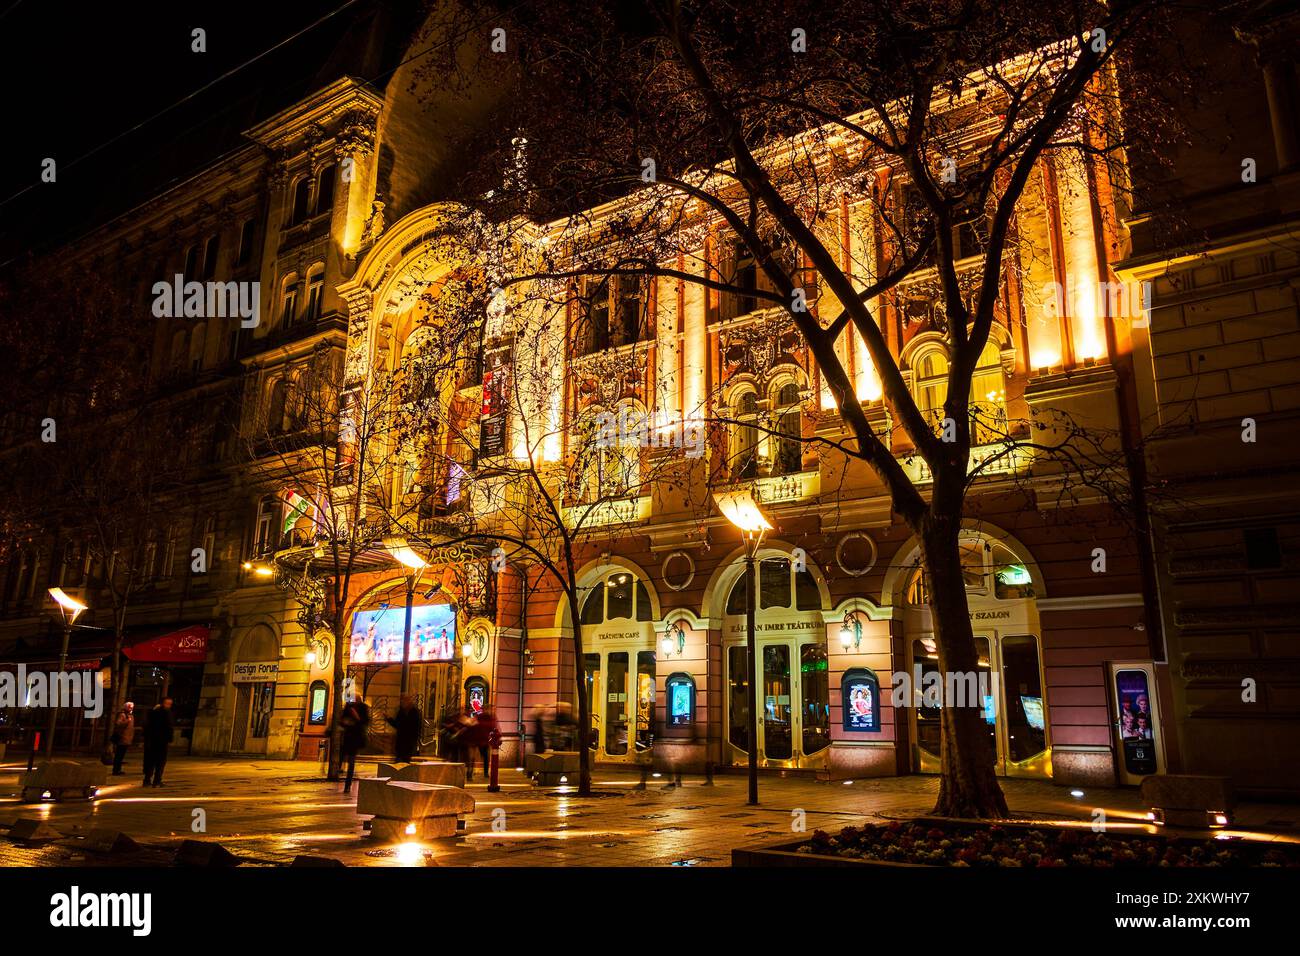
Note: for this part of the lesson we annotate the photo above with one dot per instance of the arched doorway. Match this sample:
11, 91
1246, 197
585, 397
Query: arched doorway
254, 673
791, 667
619, 665
1002, 584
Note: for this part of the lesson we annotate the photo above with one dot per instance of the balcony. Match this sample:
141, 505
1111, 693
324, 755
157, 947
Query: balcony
615, 511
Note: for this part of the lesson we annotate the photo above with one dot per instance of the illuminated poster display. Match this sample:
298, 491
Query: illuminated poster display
377, 636
476, 695
493, 421
860, 690
681, 700
1136, 727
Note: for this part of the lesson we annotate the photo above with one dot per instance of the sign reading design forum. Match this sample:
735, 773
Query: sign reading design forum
254, 672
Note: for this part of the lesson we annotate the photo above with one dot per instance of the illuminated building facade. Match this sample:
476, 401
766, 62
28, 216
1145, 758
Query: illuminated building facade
334, 208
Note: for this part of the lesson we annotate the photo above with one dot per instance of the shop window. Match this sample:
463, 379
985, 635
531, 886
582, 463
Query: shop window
645, 699
317, 703
807, 596
620, 597
774, 583
779, 585
738, 692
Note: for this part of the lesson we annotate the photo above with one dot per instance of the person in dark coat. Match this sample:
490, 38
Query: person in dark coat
158, 735
407, 723
479, 734
123, 735
356, 728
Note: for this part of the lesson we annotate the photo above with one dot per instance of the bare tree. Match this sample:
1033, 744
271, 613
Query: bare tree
671, 140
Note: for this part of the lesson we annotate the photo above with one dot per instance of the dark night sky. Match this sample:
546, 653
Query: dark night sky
78, 74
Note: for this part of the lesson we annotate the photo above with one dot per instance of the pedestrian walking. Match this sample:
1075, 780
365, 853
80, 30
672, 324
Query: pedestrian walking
479, 734
407, 724
123, 735
158, 733
356, 729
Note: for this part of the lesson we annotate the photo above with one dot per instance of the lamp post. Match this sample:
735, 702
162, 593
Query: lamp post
415, 566
70, 608
741, 510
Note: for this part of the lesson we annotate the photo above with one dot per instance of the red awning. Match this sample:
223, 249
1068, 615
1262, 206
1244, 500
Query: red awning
189, 645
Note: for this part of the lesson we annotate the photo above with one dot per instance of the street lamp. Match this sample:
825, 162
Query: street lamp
741, 510
851, 631
415, 565
70, 608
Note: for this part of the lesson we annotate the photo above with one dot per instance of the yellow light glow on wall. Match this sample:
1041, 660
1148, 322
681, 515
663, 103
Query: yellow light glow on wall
868, 383
1086, 330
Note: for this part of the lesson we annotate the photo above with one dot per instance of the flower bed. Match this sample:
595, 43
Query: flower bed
930, 843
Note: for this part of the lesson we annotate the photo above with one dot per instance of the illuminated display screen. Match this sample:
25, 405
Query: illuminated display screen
377, 636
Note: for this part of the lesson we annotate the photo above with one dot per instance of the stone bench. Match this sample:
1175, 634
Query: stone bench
407, 809
59, 777
440, 772
547, 768
1185, 800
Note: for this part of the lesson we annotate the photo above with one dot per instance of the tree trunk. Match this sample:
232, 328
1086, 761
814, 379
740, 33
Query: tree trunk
584, 707
968, 785
336, 728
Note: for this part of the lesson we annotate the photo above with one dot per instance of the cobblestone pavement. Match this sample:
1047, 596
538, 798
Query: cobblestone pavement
271, 811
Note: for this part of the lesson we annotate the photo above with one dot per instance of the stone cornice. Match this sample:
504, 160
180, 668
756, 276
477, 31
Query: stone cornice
346, 103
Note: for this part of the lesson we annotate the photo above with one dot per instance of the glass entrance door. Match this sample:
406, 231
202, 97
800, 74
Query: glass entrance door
793, 703
1009, 679
621, 695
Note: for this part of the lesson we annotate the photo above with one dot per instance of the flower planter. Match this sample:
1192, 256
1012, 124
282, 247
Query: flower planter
941, 842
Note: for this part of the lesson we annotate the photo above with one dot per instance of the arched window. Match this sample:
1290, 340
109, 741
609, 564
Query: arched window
315, 292
276, 406
325, 188
987, 409
197, 341
288, 300
788, 457
780, 585
620, 596
988, 567
176, 363
744, 434
301, 200
265, 532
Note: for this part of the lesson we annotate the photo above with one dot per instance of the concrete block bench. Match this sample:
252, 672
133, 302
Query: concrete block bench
398, 805
547, 769
62, 777
440, 772
1185, 800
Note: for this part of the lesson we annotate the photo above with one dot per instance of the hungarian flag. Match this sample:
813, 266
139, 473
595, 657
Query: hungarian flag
295, 506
